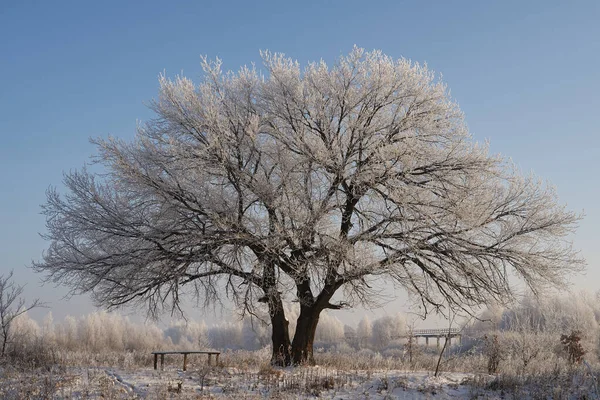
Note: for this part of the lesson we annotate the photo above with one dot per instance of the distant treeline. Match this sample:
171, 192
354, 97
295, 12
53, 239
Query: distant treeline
543, 320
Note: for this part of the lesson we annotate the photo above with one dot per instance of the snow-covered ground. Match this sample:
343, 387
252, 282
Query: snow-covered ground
231, 383
303, 383
290, 383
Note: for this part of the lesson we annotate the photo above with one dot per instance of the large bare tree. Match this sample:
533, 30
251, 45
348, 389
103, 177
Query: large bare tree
299, 185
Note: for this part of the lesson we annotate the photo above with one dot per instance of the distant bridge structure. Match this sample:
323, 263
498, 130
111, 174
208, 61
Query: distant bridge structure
447, 333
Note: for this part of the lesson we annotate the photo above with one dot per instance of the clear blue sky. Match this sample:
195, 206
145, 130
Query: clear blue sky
526, 74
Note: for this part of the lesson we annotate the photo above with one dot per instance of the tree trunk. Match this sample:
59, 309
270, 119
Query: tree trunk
302, 345
280, 334
279, 324
4, 340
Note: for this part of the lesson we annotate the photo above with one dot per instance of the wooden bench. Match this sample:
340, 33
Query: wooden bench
185, 354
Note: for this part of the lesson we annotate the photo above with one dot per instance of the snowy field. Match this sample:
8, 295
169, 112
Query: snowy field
289, 383
106, 356
232, 383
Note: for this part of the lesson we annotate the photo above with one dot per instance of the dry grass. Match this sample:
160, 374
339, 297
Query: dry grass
248, 375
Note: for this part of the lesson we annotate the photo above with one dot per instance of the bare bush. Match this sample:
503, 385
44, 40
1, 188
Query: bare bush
364, 331
573, 347
188, 335
226, 335
493, 352
387, 329
12, 306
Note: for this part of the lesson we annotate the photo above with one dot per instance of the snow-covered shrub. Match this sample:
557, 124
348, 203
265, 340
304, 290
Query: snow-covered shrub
256, 334
25, 333
350, 336
66, 334
226, 335
343, 348
529, 333
387, 329
330, 331
493, 352
143, 337
187, 335
397, 352
364, 331
101, 331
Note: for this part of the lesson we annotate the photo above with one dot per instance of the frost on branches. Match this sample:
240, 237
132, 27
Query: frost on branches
298, 185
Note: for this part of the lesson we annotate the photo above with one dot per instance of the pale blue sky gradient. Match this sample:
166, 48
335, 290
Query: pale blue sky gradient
526, 74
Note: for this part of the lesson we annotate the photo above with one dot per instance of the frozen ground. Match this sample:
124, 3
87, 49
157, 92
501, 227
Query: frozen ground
293, 383
304, 383
231, 383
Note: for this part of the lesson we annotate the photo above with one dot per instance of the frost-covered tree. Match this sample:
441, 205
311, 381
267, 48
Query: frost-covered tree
330, 330
67, 336
12, 305
350, 336
188, 335
386, 329
143, 337
255, 334
48, 334
364, 331
101, 331
298, 185
226, 335
25, 333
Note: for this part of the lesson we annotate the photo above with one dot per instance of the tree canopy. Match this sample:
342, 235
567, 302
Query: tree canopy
295, 185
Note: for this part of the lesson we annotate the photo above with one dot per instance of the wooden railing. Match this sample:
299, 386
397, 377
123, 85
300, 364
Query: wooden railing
436, 332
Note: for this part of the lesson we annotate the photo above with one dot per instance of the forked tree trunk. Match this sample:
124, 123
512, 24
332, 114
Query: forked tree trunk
302, 345
280, 334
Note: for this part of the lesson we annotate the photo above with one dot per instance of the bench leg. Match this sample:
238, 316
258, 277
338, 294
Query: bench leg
184, 361
162, 362
209, 359
217, 361
155, 361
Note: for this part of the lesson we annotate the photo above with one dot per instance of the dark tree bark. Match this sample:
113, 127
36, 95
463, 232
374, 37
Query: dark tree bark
279, 323
310, 310
4, 342
280, 334
302, 345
